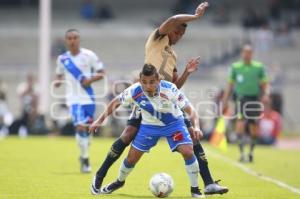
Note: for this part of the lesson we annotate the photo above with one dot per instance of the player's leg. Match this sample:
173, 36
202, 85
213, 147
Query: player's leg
240, 129
117, 148
83, 141
82, 115
253, 127
181, 141
211, 187
192, 168
140, 145
252, 114
126, 167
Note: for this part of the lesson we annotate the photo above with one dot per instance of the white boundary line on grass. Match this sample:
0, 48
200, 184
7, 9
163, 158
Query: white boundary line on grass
254, 173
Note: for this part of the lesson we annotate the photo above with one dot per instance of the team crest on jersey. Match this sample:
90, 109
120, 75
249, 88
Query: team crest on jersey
123, 96
180, 97
143, 103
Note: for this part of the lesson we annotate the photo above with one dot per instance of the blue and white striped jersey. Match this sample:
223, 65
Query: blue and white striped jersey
160, 110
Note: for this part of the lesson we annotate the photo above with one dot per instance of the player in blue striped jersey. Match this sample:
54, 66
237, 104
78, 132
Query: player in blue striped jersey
161, 105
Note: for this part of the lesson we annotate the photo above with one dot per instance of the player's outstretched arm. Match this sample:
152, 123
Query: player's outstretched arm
112, 106
193, 115
170, 24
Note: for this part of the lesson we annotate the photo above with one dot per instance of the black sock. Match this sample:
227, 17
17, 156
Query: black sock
203, 164
115, 152
252, 144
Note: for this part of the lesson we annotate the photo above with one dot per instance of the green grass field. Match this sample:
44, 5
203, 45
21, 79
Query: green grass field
48, 167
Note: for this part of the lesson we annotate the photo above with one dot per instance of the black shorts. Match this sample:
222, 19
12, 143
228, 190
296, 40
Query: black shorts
249, 108
135, 119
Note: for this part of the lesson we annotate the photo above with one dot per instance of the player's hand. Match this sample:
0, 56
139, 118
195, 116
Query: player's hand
192, 65
86, 82
93, 128
198, 134
57, 84
200, 10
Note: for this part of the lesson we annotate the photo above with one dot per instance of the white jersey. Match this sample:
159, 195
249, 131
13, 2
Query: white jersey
87, 62
160, 110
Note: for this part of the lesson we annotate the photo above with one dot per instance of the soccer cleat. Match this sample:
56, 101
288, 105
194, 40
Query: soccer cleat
95, 187
215, 188
196, 193
85, 165
112, 187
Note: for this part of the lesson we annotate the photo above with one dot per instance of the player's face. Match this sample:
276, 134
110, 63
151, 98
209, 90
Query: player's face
176, 35
247, 53
72, 40
149, 84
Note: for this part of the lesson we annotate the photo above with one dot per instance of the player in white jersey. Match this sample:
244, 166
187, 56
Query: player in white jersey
161, 105
80, 67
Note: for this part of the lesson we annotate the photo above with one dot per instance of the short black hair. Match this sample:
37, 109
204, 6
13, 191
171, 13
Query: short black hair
149, 70
71, 30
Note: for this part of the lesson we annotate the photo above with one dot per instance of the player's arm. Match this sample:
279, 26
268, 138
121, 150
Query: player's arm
170, 24
229, 87
59, 71
191, 67
265, 86
57, 80
193, 115
97, 65
124, 98
183, 103
112, 106
96, 77
224, 100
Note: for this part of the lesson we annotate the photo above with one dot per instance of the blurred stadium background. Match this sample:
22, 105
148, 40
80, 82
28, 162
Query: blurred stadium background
117, 31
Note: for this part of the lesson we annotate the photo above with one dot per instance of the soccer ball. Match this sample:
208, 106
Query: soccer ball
161, 185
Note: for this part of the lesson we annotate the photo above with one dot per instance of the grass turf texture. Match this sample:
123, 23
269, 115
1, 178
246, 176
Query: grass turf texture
48, 167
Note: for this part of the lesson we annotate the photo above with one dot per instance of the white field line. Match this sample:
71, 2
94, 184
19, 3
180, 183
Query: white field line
254, 173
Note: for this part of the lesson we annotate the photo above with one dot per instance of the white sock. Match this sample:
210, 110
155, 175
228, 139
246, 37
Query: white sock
124, 171
192, 169
83, 144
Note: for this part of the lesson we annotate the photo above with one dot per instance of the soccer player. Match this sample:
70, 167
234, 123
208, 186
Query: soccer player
160, 54
249, 80
80, 67
161, 105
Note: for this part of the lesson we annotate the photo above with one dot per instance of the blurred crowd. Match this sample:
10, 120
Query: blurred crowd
30, 121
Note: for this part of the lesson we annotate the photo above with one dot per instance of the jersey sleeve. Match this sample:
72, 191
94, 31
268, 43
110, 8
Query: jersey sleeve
231, 75
125, 97
179, 98
59, 67
96, 63
263, 75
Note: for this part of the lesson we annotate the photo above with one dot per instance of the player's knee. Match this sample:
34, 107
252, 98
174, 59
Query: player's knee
187, 152
128, 134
